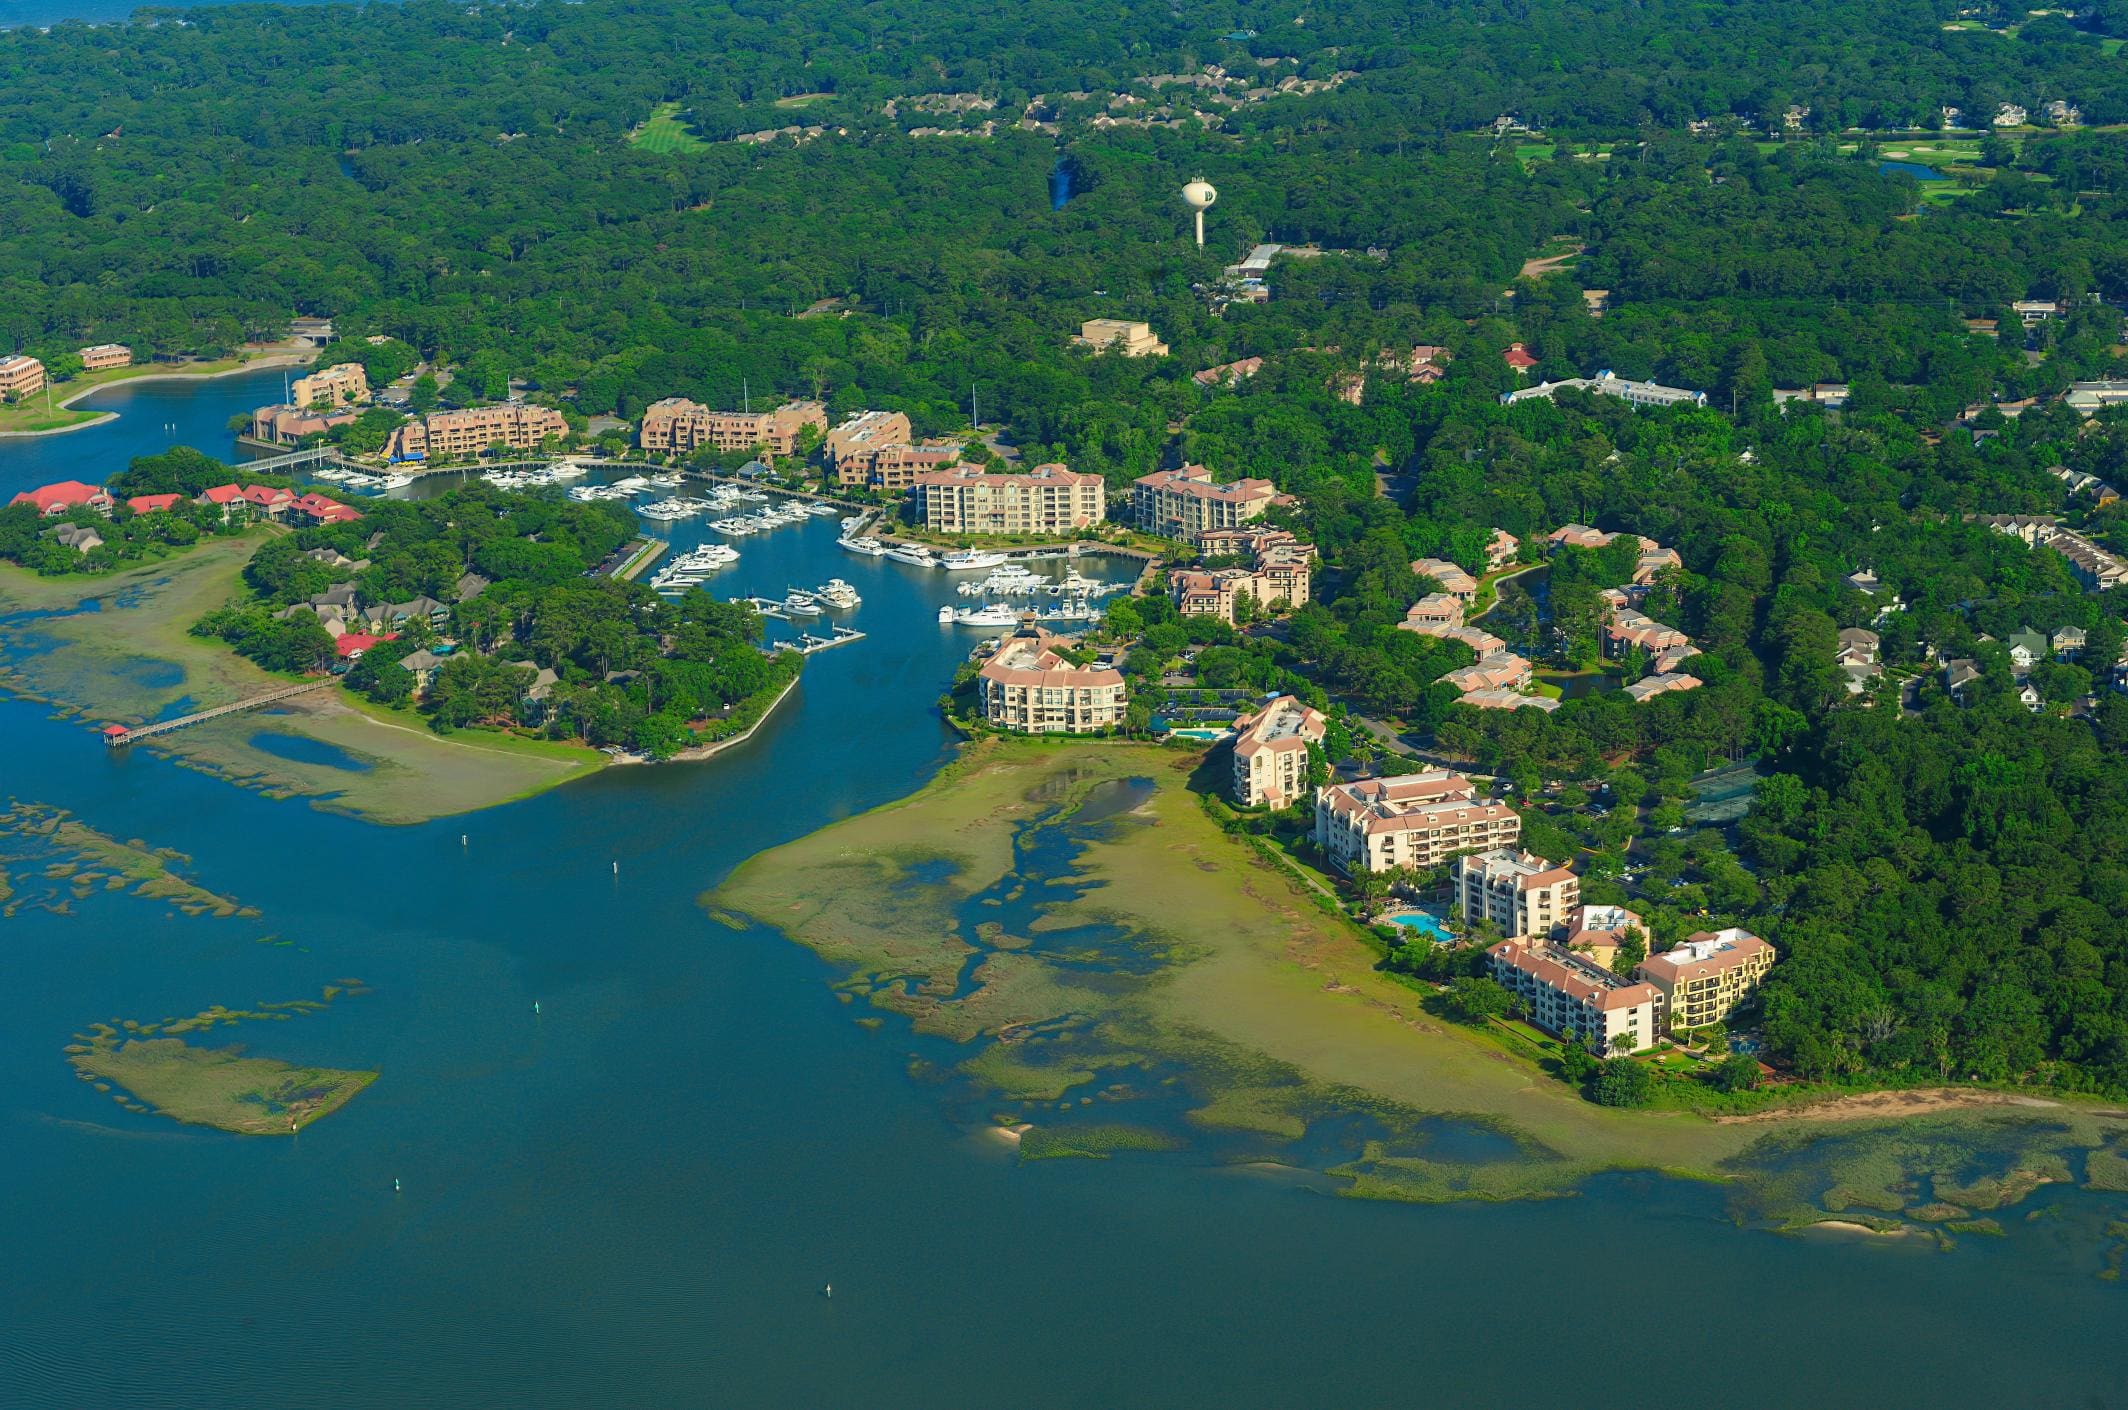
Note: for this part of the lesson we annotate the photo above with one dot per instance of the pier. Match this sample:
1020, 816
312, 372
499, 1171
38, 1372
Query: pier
837, 636
118, 736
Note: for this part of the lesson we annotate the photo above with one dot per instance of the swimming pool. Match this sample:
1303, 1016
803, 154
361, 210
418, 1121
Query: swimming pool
1195, 733
1426, 923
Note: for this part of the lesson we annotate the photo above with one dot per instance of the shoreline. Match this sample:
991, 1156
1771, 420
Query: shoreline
66, 403
699, 752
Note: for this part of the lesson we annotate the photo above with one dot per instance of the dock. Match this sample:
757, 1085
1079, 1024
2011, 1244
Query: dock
838, 636
117, 736
642, 552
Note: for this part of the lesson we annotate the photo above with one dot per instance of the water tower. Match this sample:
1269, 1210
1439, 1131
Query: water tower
1198, 196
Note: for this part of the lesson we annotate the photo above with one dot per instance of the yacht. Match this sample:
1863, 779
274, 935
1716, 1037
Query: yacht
395, 481
838, 594
915, 555
945, 616
865, 544
970, 559
800, 604
997, 614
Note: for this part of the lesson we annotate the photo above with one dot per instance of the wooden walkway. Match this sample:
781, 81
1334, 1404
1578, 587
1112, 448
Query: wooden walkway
118, 735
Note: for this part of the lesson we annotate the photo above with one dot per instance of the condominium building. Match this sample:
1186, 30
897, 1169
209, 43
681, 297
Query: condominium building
1480, 641
1271, 753
893, 469
1279, 563
342, 384
1453, 579
1661, 683
679, 425
858, 438
1501, 670
1048, 499
1575, 997
1501, 550
103, 356
1028, 687
1120, 335
1522, 894
1707, 975
1413, 820
288, 425
513, 425
1628, 629
1599, 931
1218, 593
20, 376
1187, 503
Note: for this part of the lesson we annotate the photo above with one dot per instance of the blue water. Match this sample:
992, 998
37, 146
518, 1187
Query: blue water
1193, 733
1424, 922
635, 1196
1913, 169
152, 417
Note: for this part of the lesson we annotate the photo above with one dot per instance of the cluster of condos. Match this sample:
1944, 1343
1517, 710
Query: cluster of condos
22, 375
334, 396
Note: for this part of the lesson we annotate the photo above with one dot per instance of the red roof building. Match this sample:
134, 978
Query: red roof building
153, 503
1518, 357
317, 509
67, 494
223, 495
351, 646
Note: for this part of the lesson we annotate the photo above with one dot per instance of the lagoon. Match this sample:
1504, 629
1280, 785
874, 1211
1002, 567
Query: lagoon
635, 1194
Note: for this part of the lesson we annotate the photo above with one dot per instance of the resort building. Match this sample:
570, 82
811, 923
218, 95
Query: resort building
20, 376
1218, 593
1271, 753
342, 384
57, 499
1120, 335
1187, 503
859, 438
154, 503
1280, 563
1598, 931
513, 425
1575, 997
1048, 499
1413, 820
104, 356
1520, 893
1708, 975
1453, 580
1026, 686
679, 425
1641, 395
1502, 670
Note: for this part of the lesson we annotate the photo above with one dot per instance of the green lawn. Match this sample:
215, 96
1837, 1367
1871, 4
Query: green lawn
665, 130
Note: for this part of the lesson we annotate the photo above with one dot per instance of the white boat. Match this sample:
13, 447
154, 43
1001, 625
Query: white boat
945, 616
913, 554
970, 559
395, 482
800, 604
997, 614
838, 594
865, 544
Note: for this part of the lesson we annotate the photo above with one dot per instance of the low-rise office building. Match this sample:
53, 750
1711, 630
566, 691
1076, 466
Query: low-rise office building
513, 425
1412, 820
1027, 687
1049, 499
681, 426
1520, 893
1187, 503
1271, 753
1708, 975
101, 357
20, 376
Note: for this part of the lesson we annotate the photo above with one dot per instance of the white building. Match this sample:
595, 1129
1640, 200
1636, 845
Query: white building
1605, 384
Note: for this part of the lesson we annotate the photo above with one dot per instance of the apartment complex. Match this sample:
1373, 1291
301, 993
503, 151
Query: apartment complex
1707, 975
1278, 568
1048, 499
1187, 503
1027, 687
20, 376
679, 425
1271, 753
1522, 894
1413, 820
852, 448
1120, 335
1574, 997
342, 384
104, 356
514, 425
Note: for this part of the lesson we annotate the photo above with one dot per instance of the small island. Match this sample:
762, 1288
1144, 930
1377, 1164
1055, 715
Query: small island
218, 1087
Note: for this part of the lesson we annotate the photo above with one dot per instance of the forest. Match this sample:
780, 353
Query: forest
1716, 194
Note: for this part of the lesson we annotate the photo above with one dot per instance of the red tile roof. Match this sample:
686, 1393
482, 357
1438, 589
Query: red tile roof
353, 644
52, 499
153, 503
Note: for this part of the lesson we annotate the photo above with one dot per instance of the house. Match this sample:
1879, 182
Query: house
1576, 998
1704, 978
1028, 686
1857, 658
1641, 395
1518, 357
1453, 579
56, 499
469, 586
2069, 643
1520, 893
1642, 691
316, 509
2029, 698
350, 646
1958, 674
1501, 550
1599, 931
1502, 670
79, 537
2010, 115
2088, 398
2027, 649
423, 664
1411, 820
1435, 609
1271, 752
1226, 374
2035, 311
154, 503
1596, 301
412, 608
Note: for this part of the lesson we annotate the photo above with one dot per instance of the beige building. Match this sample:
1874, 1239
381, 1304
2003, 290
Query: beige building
286, 425
858, 438
1707, 975
1218, 593
1522, 894
342, 384
893, 469
1027, 687
513, 425
1048, 499
1120, 335
1502, 670
20, 376
1188, 503
1271, 753
1412, 820
1598, 931
104, 356
679, 425
1574, 997
1453, 580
